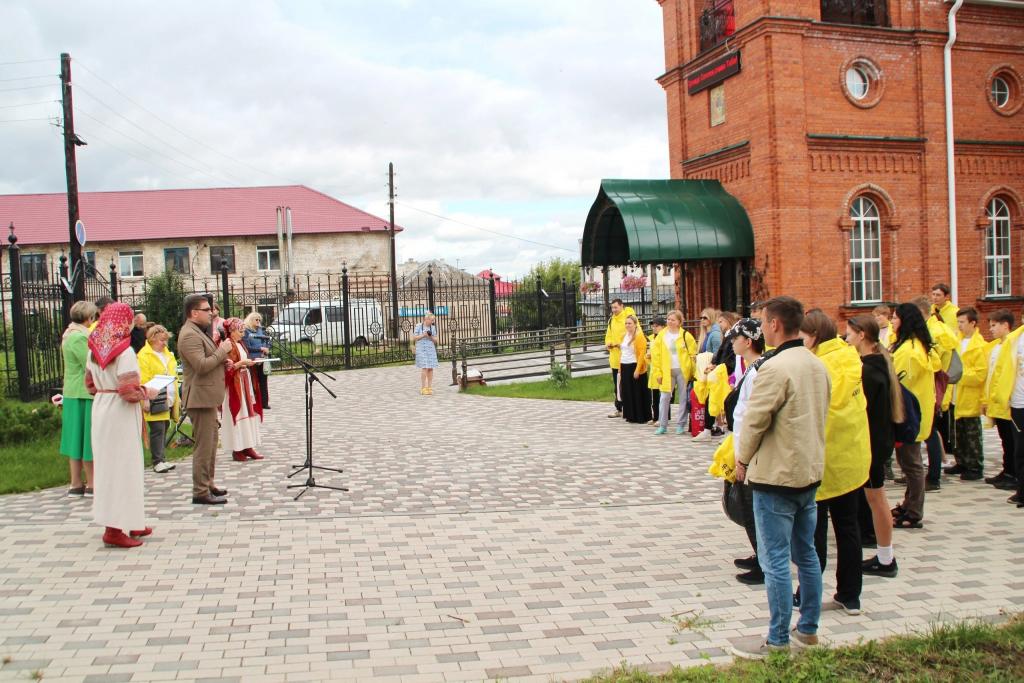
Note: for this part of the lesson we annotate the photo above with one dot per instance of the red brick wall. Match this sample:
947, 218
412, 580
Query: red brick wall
797, 189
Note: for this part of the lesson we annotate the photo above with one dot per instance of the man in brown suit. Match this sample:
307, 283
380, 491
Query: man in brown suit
202, 393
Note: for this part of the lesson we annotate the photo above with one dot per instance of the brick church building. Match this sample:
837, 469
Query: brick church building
826, 119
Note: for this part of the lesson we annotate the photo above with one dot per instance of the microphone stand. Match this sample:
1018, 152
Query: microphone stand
311, 376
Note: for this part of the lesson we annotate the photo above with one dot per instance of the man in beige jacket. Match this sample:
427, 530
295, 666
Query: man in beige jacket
202, 393
781, 455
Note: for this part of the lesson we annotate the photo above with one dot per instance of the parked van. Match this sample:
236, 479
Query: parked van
323, 322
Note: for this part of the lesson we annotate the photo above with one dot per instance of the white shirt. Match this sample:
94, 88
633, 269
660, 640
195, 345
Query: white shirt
741, 407
1017, 397
628, 350
670, 343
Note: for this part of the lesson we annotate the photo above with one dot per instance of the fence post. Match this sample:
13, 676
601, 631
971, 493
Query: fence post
65, 296
347, 329
565, 304
455, 363
568, 351
113, 280
18, 320
493, 299
465, 368
540, 305
551, 350
430, 289
225, 298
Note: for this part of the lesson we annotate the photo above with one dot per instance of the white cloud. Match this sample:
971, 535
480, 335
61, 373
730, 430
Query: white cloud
510, 102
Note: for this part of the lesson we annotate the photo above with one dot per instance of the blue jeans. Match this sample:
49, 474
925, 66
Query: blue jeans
785, 527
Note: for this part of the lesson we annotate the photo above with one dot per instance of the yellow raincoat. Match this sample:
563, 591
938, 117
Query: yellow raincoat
614, 334
1004, 376
944, 341
847, 446
713, 391
948, 312
916, 368
661, 359
971, 386
151, 365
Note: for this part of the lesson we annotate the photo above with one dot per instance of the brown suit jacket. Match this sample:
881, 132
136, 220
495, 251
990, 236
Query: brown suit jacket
203, 364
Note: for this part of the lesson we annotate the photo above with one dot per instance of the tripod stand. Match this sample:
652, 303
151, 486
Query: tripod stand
308, 466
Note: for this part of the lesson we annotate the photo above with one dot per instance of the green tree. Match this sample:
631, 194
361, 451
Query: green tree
165, 298
551, 273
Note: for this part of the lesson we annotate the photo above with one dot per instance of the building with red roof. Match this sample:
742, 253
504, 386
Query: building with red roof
144, 232
501, 288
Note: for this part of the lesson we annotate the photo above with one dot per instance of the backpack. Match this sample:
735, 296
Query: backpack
956, 368
906, 431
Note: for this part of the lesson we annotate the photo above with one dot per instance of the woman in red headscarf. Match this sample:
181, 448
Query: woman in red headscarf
243, 406
112, 376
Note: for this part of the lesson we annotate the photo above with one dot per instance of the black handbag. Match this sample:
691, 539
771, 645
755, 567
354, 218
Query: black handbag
732, 502
158, 404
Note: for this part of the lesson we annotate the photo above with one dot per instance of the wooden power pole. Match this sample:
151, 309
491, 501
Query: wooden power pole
71, 170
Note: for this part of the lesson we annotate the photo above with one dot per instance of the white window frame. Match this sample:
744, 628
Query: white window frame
863, 76
998, 92
865, 252
998, 265
263, 258
129, 257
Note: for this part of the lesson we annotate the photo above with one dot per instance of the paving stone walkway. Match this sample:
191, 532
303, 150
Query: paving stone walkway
482, 538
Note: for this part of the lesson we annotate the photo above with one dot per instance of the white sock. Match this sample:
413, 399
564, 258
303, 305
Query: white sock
886, 554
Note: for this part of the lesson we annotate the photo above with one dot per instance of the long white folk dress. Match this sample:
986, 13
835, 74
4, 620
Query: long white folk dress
243, 430
119, 499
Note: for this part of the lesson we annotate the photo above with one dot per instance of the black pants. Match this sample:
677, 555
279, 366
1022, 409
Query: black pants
615, 389
843, 510
656, 403
748, 515
943, 420
1005, 429
261, 379
1017, 415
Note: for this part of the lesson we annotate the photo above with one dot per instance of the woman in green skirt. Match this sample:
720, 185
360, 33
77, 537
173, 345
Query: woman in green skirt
76, 432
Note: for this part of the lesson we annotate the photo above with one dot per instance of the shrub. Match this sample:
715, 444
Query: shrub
21, 422
560, 375
165, 298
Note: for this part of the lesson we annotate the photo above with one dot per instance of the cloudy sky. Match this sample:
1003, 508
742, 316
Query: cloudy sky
502, 115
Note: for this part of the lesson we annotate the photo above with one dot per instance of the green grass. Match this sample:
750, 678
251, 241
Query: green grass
587, 388
38, 464
963, 651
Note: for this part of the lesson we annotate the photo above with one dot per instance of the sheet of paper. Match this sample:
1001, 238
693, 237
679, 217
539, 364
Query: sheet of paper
159, 382
265, 360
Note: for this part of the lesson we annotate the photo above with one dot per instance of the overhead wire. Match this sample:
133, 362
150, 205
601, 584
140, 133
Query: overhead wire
477, 227
29, 87
43, 118
27, 104
27, 61
28, 78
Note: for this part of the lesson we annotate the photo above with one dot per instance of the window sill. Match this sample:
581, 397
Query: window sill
997, 299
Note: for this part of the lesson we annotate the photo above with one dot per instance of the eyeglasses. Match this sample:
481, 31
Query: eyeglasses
704, 317
204, 310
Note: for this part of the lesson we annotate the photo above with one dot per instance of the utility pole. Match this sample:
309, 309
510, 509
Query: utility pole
71, 170
394, 268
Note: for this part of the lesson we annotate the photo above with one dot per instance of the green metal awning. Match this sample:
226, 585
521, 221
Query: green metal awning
665, 221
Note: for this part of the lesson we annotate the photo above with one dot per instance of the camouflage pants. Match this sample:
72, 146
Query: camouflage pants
968, 444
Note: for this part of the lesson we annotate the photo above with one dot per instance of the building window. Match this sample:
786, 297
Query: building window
861, 82
857, 82
1004, 90
176, 259
268, 258
129, 263
857, 12
218, 254
865, 252
717, 22
90, 260
997, 249
33, 268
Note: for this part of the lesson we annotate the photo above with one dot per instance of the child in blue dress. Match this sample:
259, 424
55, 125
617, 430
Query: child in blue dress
425, 337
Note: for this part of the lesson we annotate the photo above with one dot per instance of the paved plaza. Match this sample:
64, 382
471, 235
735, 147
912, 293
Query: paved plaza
481, 538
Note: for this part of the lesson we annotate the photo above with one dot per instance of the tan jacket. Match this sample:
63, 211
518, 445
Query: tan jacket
783, 437
203, 366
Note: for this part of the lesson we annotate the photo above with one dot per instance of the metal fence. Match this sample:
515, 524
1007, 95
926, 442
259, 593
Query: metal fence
329, 320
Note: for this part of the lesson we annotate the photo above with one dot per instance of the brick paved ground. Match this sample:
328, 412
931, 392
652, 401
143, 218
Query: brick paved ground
482, 538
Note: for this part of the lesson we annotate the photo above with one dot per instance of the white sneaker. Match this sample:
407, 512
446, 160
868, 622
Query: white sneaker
703, 436
162, 467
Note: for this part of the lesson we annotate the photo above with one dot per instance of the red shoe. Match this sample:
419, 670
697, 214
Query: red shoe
144, 532
253, 455
115, 538
238, 456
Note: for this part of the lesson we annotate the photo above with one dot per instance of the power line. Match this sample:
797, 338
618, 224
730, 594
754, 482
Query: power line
92, 134
29, 87
149, 133
27, 78
28, 61
45, 118
178, 130
477, 227
27, 104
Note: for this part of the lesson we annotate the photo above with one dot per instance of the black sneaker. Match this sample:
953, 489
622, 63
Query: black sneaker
851, 607
996, 479
1008, 484
955, 469
876, 568
889, 474
796, 597
932, 486
971, 476
755, 577
900, 480
1015, 498
747, 562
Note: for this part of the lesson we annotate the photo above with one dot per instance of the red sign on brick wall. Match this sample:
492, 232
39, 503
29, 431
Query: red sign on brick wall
714, 73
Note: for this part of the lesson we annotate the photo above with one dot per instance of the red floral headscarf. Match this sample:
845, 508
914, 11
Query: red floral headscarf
113, 333
233, 325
